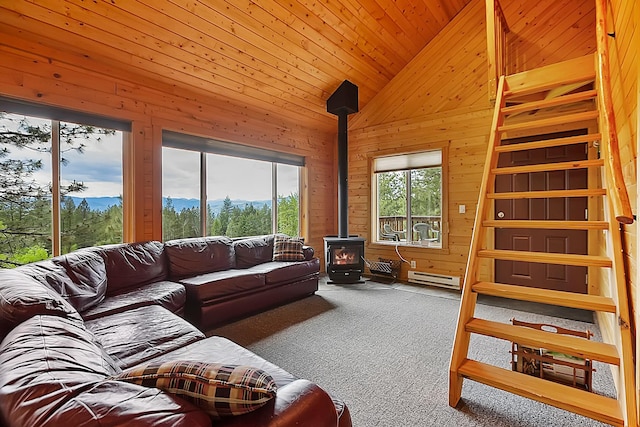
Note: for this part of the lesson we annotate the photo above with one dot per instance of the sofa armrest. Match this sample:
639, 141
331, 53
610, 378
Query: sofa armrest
299, 403
308, 252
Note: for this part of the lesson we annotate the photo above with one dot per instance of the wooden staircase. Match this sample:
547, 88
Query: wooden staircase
536, 103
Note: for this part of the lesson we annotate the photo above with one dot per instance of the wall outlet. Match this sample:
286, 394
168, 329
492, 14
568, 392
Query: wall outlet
413, 263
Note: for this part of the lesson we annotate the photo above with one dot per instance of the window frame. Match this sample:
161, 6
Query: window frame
444, 220
56, 116
204, 146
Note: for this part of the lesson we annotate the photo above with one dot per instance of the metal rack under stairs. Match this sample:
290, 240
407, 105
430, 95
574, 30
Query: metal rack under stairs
528, 105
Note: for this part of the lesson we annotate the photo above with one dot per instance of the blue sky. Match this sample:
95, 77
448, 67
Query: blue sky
100, 168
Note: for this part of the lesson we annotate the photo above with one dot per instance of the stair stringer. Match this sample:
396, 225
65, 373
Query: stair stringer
469, 298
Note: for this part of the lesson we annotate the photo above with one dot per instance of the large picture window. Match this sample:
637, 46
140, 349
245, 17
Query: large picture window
61, 185
213, 188
408, 199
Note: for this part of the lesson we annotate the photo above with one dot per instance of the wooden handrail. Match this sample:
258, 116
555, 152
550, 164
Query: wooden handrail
610, 147
497, 30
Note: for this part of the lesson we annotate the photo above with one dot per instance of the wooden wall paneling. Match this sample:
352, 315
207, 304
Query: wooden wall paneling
325, 27
196, 49
55, 83
625, 78
56, 52
545, 32
75, 87
147, 61
317, 61
197, 38
270, 37
464, 133
373, 26
404, 94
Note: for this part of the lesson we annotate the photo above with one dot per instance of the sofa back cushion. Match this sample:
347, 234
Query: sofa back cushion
253, 251
133, 264
199, 255
22, 297
79, 277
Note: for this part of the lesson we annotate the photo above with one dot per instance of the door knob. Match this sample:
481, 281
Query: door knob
500, 214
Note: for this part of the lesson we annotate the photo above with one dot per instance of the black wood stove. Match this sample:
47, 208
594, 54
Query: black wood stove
343, 253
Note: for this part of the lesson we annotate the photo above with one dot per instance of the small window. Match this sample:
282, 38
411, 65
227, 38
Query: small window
408, 199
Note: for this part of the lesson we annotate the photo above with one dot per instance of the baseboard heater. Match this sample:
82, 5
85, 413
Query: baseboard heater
432, 279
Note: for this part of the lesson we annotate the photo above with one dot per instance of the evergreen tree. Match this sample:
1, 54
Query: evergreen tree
392, 194
223, 218
25, 204
288, 214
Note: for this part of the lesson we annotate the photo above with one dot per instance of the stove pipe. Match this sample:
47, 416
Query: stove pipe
342, 102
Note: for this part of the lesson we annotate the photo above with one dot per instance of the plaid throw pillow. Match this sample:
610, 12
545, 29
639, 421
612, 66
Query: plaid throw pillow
219, 389
287, 248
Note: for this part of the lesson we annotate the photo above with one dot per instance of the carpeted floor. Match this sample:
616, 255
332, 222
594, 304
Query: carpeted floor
384, 349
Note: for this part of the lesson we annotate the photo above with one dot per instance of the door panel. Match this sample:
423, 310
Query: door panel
548, 276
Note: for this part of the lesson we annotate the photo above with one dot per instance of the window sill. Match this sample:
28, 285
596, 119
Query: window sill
410, 245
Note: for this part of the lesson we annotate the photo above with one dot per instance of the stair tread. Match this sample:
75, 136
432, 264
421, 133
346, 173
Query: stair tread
535, 338
548, 194
546, 167
572, 399
546, 296
547, 143
553, 102
548, 224
547, 258
552, 121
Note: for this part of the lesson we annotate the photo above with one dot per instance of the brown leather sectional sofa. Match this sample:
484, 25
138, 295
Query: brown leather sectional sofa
71, 324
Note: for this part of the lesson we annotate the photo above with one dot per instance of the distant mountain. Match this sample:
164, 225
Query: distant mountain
103, 203
98, 203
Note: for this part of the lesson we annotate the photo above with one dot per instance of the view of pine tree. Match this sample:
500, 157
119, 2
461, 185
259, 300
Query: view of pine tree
426, 192
288, 214
223, 218
25, 203
392, 194
249, 221
236, 221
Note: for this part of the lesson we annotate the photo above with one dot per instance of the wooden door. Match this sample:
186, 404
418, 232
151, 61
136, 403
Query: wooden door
547, 276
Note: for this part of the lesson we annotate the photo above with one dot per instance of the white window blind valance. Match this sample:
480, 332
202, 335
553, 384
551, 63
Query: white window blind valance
399, 162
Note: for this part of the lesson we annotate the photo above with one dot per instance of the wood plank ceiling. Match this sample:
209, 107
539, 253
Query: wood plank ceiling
277, 57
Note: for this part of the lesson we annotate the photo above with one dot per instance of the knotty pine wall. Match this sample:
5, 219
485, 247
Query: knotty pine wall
33, 72
625, 84
440, 99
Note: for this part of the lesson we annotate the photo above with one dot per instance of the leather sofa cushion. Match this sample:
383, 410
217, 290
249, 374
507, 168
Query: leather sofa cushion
221, 283
193, 256
133, 264
22, 297
137, 335
279, 272
59, 362
253, 251
79, 277
170, 295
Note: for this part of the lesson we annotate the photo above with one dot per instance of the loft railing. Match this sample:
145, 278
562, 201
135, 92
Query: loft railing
398, 224
497, 30
610, 145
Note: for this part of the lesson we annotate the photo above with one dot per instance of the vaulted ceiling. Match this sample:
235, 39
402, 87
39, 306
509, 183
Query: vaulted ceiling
281, 57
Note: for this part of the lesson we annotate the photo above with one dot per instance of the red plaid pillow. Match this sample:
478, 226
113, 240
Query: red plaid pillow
287, 248
219, 389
